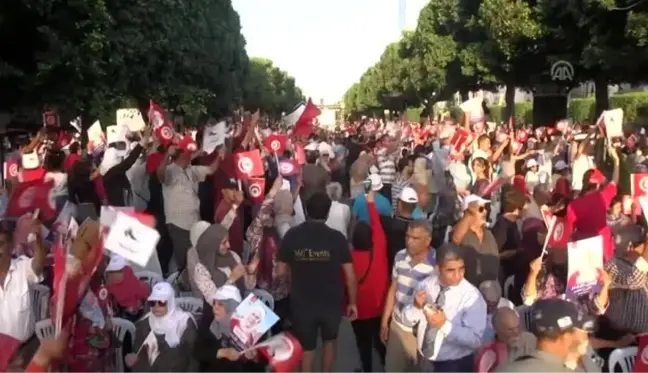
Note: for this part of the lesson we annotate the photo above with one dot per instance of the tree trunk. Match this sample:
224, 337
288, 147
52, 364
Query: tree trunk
601, 95
509, 98
464, 95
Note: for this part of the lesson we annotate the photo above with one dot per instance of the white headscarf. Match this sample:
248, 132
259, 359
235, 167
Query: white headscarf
173, 324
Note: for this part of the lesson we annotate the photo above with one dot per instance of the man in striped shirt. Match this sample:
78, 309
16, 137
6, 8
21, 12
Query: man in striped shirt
411, 266
387, 158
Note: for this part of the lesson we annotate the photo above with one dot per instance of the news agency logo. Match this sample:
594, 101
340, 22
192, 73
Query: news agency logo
562, 71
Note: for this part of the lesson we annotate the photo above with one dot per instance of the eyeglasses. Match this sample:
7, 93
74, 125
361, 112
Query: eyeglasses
157, 303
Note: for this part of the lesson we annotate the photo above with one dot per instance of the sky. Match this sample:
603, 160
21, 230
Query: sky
325, 45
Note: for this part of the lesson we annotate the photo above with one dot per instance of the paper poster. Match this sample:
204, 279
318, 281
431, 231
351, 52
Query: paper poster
132, 239
96, 136
613, 122
585, 266
214, 136
250, 321
131, 119
109, 214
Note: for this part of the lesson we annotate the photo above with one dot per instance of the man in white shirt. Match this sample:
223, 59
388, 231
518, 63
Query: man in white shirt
451, 316
16, 315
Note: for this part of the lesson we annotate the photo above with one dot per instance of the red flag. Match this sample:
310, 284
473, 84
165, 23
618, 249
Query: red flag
302, 118
276, 143
641, 361
188, 144
460, 139
522, 136
300, 154
50, 119
288, 167
256, 189
29, 196
8, 345
283, 352
493, 186
165, 133
11, 170
76, 284
560, 234
157, 116
248, 164
639, 184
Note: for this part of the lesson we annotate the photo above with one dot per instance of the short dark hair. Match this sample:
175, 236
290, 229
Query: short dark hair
318, 206
447, 252
423, 224
514, 199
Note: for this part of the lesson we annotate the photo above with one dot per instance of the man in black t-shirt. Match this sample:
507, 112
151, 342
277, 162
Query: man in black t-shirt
316, 256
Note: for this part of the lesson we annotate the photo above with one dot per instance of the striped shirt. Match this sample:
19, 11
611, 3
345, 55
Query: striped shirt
397, 187
407, 277
387, 168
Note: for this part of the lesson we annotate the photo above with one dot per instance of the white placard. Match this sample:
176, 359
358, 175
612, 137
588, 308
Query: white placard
285, 185
214, 136
108, 214
131, 119
132, 239
96, 134
613, 120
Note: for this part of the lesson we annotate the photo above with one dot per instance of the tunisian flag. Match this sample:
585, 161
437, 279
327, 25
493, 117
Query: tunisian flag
283, 352
641, 362
301, 118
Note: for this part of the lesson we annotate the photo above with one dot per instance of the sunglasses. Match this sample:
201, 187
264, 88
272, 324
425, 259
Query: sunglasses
157, 303
482, 208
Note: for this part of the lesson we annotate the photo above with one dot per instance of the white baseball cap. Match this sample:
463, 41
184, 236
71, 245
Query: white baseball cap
226, 292
473, 198
531, 162
408, 195
117, 263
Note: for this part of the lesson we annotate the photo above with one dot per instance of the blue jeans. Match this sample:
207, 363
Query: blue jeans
464, 364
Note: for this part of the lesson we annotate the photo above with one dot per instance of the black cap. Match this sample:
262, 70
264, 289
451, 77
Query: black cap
555, 316
230, 183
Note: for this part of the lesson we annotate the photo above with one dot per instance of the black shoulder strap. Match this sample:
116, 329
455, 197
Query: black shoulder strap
364, 276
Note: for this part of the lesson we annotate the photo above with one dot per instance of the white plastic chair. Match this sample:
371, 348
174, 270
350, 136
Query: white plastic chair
44, 329
525, 316
151, 278
509, 285
190, 304
40, 295
625, 357
120, 327
265, 297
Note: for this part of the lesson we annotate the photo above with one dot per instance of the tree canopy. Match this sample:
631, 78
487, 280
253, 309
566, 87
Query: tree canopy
467, 45
90, 57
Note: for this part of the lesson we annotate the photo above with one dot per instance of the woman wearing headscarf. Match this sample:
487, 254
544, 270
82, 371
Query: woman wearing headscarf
265, 240
213, 347
219, 267
164, 337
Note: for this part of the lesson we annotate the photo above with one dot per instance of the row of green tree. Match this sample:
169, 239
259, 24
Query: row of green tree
468, 45
88, 57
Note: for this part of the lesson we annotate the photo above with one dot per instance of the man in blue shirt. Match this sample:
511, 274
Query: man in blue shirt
360, 209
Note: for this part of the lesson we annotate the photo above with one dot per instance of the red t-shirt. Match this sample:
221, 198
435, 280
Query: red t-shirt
586, 217
33, 174
371, 292
563, 188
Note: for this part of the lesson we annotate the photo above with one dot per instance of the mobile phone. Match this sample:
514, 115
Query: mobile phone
367, 186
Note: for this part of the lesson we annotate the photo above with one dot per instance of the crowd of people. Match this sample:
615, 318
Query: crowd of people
432, 239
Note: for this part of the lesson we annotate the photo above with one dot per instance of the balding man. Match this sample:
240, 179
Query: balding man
507, 330
492, 293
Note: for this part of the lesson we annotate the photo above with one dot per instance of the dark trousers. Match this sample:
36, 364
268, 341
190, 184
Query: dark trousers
282, 309
181, 243
367, 334
464, 364
387, 192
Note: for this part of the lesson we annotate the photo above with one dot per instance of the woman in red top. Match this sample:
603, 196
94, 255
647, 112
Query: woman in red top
587, 214
369, 256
